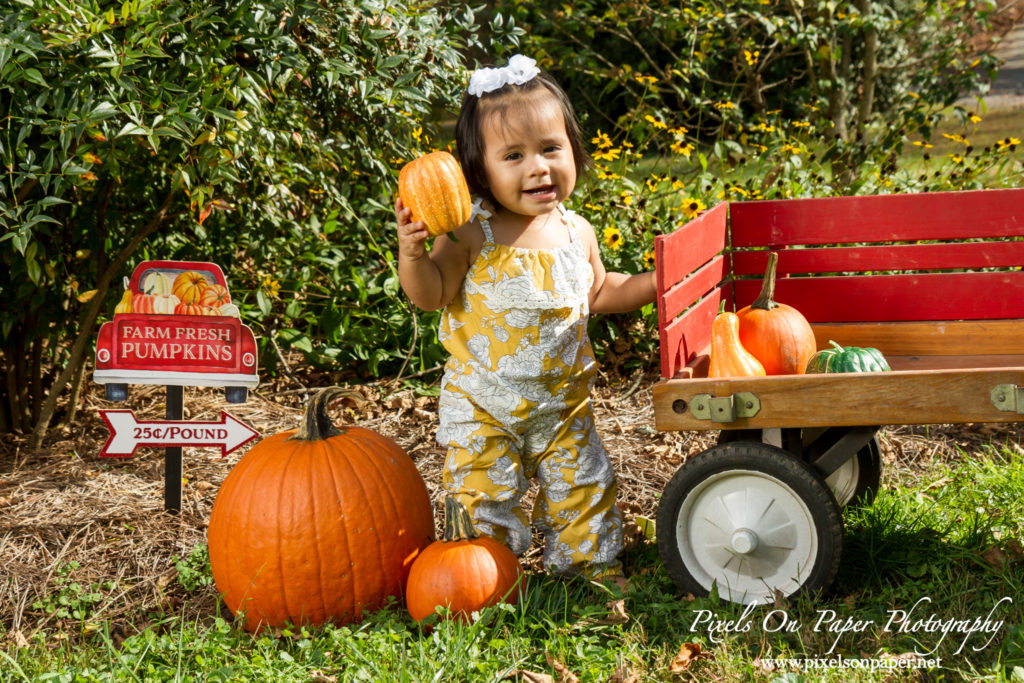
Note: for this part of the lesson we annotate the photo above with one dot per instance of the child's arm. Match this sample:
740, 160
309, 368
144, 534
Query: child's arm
615, 292
430, 279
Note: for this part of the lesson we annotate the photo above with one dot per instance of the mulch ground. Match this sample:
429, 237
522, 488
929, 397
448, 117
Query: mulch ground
65, 504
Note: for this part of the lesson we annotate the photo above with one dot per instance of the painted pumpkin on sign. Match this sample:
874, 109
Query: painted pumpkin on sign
435, 189
318, 524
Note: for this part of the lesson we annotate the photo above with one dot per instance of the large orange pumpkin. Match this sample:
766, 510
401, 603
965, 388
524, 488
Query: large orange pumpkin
776, 334
463, 571
318, 524
435, 189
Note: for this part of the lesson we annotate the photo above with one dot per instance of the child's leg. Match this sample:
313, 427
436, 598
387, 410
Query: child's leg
485, 473
575, 507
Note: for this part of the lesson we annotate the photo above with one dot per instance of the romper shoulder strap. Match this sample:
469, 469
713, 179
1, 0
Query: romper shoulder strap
568, 222
482, 214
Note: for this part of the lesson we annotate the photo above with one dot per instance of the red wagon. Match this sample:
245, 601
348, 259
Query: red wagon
934, 281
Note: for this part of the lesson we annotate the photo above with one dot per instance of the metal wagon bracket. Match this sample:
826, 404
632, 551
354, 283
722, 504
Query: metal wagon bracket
1008, 398
725, 409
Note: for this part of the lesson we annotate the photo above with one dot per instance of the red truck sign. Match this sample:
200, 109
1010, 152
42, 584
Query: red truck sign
176, 325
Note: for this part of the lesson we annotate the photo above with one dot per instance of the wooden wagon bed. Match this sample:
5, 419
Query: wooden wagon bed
934, 281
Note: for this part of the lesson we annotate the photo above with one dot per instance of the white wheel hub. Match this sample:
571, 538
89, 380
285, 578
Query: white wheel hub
748, 532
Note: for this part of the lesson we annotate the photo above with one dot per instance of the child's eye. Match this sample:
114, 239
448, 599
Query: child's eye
512, 156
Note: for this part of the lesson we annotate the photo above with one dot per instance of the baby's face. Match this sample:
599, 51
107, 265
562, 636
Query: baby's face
528, 156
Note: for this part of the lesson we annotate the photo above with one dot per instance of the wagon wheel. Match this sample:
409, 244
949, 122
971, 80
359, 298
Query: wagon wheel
857, 479
751, 519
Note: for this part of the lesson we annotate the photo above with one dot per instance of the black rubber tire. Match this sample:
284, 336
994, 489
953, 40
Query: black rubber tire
779, 469
869, 464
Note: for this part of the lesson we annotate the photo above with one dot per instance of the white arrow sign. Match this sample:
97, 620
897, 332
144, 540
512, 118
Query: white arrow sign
127, 433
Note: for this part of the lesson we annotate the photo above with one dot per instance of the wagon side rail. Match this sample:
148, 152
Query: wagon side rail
693, 277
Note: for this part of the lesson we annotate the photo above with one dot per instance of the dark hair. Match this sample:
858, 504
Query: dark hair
469, 128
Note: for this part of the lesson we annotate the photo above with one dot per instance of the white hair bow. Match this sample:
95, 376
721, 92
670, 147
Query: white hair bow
519, 70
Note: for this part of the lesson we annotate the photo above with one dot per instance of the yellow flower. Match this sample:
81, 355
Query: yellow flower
605, 175
724, 105
955, 137
957, 159
608, 154
627, 197
921, 143
801, 124
602, 140
680, 131
792, 149
652, 183
684, 149
649, 260
613, 238
751, 57
655, 122
1007, 143
691, 207
646, 80
270, 285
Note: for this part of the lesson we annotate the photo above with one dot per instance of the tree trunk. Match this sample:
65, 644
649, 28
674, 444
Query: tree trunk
869, 70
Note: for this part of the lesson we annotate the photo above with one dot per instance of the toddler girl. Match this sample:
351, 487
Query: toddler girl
517, 285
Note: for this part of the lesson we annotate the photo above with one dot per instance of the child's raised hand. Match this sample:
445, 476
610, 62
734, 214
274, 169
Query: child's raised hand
412, 235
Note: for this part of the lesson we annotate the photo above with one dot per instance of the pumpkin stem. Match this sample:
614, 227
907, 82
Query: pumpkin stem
457, 524
836, 345
721, 307
316, 423
766, 300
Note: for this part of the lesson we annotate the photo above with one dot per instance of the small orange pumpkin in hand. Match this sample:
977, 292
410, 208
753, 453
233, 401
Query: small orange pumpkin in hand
777, 335
434, 188
728, 357
463, 571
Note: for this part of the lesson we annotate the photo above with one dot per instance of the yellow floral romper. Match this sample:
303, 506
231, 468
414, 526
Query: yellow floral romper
515, 404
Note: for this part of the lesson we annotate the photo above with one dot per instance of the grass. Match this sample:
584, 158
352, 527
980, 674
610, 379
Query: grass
948, 542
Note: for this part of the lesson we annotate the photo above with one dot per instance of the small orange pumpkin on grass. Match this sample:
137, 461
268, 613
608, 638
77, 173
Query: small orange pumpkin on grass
463, 571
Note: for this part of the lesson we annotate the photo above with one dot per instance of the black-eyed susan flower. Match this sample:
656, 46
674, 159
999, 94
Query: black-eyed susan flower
655, 122
602, 140
692, 206
612, 237
1008, 143
956, 137
649, 260
607, 154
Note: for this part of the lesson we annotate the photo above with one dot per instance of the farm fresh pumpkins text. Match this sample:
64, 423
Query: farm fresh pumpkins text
172, 343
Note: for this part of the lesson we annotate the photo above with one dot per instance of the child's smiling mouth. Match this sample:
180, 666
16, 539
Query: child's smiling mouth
540, 192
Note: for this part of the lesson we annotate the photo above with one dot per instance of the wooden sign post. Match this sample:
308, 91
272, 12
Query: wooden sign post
176, 326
